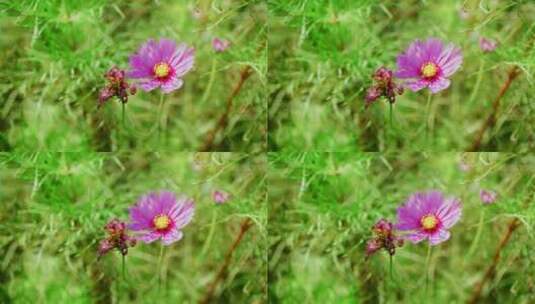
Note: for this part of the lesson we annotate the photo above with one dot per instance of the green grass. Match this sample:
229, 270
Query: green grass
54, 207
326, 52
56, 52
323, 205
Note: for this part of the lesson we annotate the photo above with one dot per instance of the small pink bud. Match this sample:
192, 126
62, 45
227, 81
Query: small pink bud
220, 45
220, 197
487, 45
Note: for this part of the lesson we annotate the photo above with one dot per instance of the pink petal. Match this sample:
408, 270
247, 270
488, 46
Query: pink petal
433, 49
416, 52
166, 201
439, 84
416, 85
149, 237
450, 212
416, 237
450, 60
172, 236
433, 200
174, 83
439, 236
183, 60
149, 85
407, 68
166, 49
183, 213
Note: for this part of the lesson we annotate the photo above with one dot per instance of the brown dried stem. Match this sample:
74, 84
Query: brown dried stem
491, 119
489, 274
244, 227
222, 122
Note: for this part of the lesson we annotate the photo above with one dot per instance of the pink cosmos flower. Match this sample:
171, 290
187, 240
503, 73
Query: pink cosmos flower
487, 45
161, 64
428, 215
428, 64
220, 197
220, 45
487, 196
161, 216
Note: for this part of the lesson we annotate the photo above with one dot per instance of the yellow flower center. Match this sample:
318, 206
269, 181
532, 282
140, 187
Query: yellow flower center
161, 222
161, 69
429, 222
429, 70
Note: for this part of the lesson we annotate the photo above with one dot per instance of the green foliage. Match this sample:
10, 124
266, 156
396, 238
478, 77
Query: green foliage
323, 205
327, 51
57, 52
56, 204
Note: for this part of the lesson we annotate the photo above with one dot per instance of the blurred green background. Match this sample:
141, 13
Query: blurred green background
322, 207
55, 205
326, 51
55, 53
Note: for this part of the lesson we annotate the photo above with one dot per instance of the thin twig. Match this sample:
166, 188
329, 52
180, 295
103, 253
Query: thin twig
222, 122
491, 120
245, 225
489, 274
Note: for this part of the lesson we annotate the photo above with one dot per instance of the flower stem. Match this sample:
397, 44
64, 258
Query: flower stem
427, 264
122, 120
210, 82
391, 124
160, 259
160, 114
428, 113
478, 233
391, 267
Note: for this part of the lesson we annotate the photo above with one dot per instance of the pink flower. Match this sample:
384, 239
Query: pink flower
428, 215
220, 197
487, 196
220, 45
428, 64
161, 216
161, 64
464, 166
487, 45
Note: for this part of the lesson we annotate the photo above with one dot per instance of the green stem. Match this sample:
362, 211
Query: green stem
122, 119
427, 267
478, 82
391, 267
391, 123
160, 113
478, 233
210, 82
160, 259
124, 269
427, 118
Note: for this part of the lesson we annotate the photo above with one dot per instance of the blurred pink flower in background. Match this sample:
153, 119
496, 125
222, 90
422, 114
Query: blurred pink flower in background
220, 45
487, 45
220, 197
487, 196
